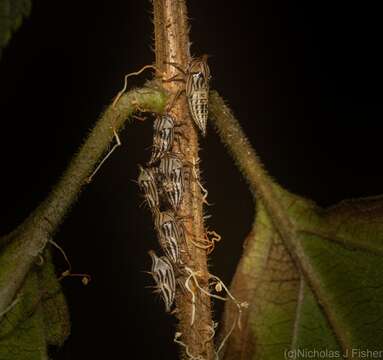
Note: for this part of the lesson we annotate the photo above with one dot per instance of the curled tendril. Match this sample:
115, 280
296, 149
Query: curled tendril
220, 285
177, 335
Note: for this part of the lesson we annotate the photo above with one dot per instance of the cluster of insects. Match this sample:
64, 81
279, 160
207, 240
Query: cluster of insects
163, 182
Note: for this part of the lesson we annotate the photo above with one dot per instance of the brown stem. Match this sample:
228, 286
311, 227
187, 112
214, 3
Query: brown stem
172, 46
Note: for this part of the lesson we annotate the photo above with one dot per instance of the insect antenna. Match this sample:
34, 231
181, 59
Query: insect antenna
177, 66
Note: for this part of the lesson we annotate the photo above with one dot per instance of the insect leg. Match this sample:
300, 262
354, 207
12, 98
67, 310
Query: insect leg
173, 78
177, 66
176, 96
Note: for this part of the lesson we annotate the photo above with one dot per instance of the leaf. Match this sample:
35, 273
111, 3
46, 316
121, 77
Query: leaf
12, 13
323, 291
38, 318
312, 277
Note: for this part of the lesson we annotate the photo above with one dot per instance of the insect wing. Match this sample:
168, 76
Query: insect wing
197, 91
168, 241
169, 235
170, 164
173, 192
163, 275
199, 108
147, 184
172, 169
163, 137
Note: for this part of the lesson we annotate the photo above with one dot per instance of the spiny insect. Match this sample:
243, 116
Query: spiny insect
197, 75
197, 91
163, 137
170, 234
163, 275
147, 183
173, 182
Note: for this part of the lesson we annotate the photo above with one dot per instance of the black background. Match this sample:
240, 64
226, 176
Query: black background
303, 78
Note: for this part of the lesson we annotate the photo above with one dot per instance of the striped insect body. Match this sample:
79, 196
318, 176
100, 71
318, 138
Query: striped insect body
163, 182
163, 275
173, 182
148, 185
171, 166
173, 192
163, 137
170, 235
197, 91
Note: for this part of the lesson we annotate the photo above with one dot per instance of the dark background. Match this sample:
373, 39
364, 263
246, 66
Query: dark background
304, 79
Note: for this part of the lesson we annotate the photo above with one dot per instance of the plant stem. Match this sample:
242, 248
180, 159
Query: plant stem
251, 167
172, 46
268, 195
21, 248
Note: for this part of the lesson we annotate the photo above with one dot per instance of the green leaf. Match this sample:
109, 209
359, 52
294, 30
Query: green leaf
12, 13
38, 318
320, 289
312, 277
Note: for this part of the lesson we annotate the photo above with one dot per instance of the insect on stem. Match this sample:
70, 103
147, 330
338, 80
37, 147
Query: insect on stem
163, 275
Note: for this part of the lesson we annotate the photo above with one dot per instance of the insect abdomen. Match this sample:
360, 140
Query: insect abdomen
163, 275
170, 235
163, 137
198, 105
197, 91
172, 170
147, 184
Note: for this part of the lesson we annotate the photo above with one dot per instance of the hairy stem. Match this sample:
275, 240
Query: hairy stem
268, 193
248, 162
276, 201
20, 249
172, 46
271, 198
